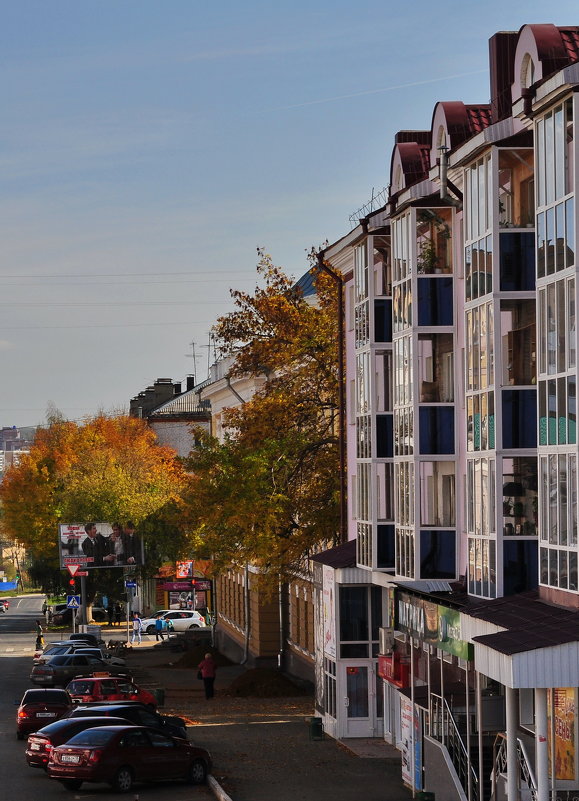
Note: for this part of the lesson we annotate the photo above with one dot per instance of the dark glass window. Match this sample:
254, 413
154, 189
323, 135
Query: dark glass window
384, 436
435, 301
386, 540
383, 321
437, 554
517, 262
353, 613
376, 610
519, 418
520, 569
436, 429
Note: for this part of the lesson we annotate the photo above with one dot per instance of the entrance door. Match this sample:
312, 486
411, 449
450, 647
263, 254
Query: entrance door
363, 701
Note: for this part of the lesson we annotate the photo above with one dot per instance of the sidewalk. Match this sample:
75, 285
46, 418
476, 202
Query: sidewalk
261, 747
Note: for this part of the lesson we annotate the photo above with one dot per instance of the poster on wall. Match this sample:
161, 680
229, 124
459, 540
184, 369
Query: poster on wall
562, 705
329, 614
406, 724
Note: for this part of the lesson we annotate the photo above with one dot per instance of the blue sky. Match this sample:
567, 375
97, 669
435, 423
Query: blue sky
147, 148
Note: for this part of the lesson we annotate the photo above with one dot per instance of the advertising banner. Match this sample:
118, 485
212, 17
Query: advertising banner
561, 707
329, 615
95, 545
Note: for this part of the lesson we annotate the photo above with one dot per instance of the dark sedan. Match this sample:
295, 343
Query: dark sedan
60, 669
123, 755
135, 712
41, 743
39, 707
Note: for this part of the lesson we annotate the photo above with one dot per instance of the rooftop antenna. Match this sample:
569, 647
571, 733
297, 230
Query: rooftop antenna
211, 344
193, 355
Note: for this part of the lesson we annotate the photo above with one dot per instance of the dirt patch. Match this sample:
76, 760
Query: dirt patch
264, 683
192, 657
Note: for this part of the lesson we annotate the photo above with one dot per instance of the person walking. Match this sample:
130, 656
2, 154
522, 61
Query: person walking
118, 614
137, 628
159, 629
207, 669
39, 636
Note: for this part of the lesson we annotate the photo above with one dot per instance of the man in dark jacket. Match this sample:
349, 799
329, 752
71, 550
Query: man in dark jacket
132, 547
97, 546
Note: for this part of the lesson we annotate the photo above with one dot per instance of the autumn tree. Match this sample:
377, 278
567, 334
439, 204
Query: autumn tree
106, 468
269, 493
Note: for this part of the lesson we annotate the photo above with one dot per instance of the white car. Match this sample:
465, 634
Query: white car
182, 620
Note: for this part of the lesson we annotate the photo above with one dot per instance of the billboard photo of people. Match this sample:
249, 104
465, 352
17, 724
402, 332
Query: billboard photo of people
100, 544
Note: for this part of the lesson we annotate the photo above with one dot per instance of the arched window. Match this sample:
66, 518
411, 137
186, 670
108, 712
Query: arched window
527, 72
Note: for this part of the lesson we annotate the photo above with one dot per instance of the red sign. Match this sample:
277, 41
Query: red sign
176, 585
82, 572
394, 670
72, 569
77, 560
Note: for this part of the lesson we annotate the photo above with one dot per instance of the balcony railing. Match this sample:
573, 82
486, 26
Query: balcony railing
444, 729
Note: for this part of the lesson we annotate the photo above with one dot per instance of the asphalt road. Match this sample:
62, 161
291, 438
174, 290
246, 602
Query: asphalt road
17, 779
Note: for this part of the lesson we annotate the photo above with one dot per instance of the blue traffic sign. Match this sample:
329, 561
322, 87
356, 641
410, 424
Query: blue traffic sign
130, 584
73, 601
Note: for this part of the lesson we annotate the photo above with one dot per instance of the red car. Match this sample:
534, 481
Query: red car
39, 707
41, 743
123, 755
108, 688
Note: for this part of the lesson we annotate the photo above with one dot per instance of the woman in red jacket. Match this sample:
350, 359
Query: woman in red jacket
207, 668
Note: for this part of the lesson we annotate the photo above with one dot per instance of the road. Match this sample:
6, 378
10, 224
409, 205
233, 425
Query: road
17, 779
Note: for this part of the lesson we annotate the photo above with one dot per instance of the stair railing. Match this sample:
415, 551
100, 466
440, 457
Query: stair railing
500, 765
444, 729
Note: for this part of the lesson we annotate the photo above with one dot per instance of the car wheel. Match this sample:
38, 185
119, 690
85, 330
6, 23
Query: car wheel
19, 735
123, 780
194, 626
72, 784
150, 630
198, 772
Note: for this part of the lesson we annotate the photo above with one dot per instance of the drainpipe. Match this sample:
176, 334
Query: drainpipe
247, 614
443, 172
281, 626
234, 391
325, 267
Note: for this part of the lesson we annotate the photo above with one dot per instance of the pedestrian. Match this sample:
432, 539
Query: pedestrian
159, 626
111, 612
39, 636
118, 614
137, 628
207, 669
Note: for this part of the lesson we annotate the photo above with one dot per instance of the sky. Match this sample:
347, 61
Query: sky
148, 148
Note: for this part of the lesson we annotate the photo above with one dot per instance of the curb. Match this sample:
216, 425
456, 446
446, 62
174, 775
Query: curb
217, 789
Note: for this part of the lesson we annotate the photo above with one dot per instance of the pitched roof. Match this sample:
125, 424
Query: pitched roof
340, 556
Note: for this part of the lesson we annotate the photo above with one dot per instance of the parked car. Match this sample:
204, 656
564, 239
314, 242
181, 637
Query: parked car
39, 707
92, 639
41, 742
64, 616
108, 658
57, 649
64, 667
181, 620
135, 712
108, 688
123, 755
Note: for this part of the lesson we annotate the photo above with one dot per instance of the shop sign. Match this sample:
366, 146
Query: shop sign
432, 623
394, 670
176, 585
201, 585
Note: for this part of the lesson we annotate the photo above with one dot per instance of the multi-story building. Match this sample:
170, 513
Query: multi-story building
449, 624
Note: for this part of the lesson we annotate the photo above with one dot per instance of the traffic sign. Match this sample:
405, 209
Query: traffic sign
130, 584
72, 569
73, 601
82, 572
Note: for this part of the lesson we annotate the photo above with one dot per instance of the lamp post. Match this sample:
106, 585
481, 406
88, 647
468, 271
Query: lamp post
337, 278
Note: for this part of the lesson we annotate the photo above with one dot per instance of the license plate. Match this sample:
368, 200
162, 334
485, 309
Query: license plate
34, 746
70, 758
46, 714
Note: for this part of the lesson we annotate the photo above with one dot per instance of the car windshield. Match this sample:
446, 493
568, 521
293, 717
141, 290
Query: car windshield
45, 697
92, 737
56, 649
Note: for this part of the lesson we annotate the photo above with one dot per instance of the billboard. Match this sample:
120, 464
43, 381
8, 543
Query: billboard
94, 545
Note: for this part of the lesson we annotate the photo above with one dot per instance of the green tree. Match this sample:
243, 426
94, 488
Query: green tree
269, 493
